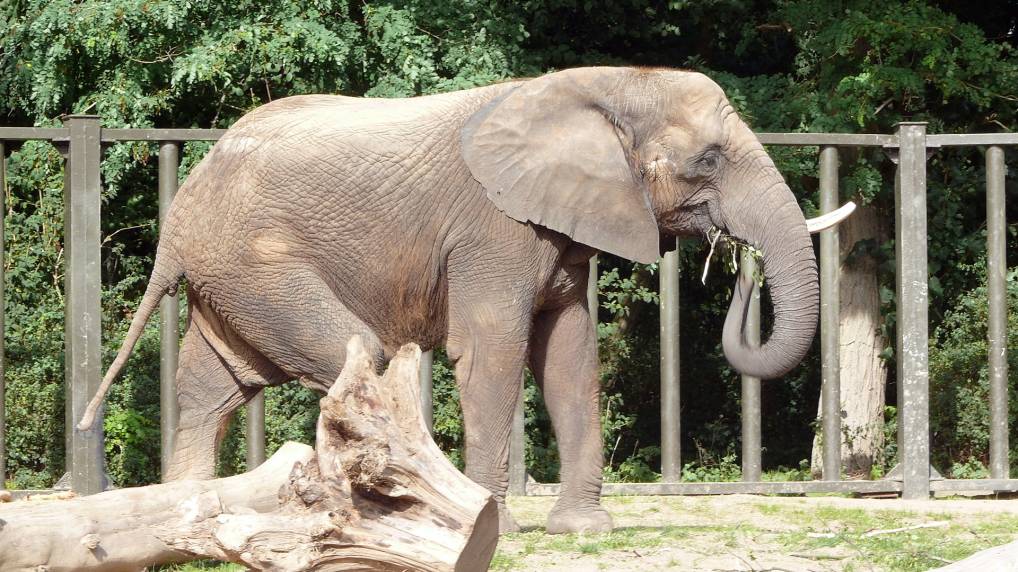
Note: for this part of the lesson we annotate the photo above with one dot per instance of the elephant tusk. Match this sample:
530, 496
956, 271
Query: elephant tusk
824, 222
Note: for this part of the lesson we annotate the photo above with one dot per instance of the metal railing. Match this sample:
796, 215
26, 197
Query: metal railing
81, 141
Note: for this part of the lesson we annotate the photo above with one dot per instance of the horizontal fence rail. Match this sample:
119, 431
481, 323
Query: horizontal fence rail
82, 139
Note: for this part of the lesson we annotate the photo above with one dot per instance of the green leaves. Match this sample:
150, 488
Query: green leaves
959, 378
734, 252
138, 62
415, 48
794, 65
616, 291
881, 62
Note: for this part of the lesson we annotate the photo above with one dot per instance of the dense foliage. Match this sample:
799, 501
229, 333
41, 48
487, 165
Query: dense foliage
806, 65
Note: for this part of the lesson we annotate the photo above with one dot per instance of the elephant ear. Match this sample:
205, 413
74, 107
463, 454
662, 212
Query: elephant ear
549, 152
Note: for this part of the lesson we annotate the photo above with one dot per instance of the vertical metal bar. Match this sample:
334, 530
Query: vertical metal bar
751, 442
671, 442
169, 317
830, 319
3, 372
996, 232
517, 450
592, 304
255, 430
82, 283
424, 375
64, 483
912, 311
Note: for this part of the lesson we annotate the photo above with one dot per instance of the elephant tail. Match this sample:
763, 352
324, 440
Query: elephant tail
165, 279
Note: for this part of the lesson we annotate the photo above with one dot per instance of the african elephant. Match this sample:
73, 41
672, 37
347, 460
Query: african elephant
467, 220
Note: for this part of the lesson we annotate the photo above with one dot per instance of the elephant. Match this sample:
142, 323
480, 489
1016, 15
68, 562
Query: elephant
464, 220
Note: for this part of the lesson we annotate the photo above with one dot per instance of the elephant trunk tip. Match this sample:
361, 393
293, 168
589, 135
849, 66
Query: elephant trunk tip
788, 344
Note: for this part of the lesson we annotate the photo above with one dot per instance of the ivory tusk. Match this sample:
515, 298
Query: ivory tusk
824, 222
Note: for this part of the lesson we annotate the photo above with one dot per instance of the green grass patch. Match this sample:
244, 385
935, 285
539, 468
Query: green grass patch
908, 550
200, 566
789, 528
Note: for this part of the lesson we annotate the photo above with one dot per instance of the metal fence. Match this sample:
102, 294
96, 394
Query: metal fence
81, 141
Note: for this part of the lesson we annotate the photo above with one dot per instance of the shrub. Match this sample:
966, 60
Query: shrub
959, 379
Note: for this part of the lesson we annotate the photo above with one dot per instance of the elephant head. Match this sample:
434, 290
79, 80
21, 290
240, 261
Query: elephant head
618, 158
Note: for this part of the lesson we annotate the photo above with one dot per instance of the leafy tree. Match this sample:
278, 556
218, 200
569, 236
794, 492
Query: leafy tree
807, 65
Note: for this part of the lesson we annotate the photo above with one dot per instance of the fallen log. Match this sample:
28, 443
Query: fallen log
375, 493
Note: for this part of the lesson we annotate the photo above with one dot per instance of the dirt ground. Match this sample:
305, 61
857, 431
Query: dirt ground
753, 533
744, 532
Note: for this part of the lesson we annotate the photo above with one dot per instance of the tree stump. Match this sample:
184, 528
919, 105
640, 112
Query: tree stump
375, 493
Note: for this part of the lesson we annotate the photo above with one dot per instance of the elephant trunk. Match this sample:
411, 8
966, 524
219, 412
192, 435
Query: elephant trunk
775, 225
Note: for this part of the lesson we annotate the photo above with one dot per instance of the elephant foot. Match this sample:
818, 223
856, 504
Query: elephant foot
583, 519
506, 522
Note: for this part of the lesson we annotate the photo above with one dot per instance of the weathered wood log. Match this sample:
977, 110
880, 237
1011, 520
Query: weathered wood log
375, 493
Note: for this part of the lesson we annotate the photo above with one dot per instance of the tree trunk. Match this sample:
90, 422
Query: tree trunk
375, 493
863, 374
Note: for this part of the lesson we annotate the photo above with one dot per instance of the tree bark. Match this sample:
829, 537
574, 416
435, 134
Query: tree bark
863, 373
375, 493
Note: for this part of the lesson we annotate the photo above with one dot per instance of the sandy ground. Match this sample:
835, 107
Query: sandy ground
727, 533
758, 533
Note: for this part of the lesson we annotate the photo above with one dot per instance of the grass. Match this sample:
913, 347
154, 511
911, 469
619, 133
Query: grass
663, 533
910, 550
628, 539
823, 533
201, 566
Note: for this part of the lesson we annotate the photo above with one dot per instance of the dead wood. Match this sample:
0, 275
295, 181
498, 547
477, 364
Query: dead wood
375, 493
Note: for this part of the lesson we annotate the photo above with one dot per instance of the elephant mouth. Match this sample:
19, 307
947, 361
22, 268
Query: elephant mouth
704, 225
689, 221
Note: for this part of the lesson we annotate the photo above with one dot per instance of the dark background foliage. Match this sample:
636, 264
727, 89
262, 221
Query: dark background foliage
787, 65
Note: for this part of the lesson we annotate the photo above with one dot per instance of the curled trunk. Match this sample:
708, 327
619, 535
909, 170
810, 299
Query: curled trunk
775, 225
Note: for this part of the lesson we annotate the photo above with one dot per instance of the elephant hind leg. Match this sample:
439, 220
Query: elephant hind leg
287, 325
292, 320
208, 394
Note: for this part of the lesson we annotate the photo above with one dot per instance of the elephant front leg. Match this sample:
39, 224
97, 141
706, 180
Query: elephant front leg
564, 362
489, 373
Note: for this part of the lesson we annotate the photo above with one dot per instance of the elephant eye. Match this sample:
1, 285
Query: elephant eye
706, 163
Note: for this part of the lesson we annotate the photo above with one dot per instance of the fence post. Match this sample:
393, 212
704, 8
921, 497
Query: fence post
3, 372
912, 351
671, 445
255, 430
169, 317
517, 449
996, 231
830, 319
82, 283
424, 376
751, 442
592, 304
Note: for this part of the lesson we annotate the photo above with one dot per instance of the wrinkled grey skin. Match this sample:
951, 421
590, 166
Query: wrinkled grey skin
465, 220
